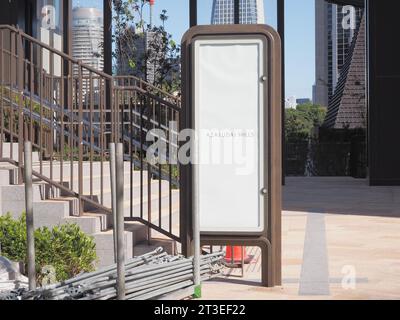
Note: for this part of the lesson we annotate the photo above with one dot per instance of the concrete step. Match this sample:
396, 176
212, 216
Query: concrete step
97, 174
166, 223
73, 204
86, 165
155, 205
13, 154
134, 233
138, 230
105, 219
105, 247
46, 213
12, 197
66, 174
106, 188
169, 246
88, 224
136, 192
49, 213
101, 182
5, 176
50, 210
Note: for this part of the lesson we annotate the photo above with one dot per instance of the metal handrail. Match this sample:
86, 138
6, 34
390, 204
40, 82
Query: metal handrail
144, 83
51, 49
88, 67
70, 112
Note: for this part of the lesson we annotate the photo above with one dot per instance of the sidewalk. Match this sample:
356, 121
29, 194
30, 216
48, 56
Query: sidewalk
341, 240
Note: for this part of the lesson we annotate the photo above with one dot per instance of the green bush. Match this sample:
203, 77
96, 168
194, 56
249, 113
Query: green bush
13, 238
65, 248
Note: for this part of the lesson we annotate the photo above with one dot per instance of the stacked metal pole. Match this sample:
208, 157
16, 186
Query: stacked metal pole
151, 276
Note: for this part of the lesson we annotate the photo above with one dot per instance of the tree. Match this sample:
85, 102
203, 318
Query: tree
163, 17
300, 122
141, 48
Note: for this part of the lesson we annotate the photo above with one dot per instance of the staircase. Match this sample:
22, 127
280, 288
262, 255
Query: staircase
71, 112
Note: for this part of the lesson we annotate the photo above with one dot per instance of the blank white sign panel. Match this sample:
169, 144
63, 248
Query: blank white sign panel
229, 127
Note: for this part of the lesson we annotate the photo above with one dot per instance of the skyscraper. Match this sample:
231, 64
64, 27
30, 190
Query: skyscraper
340, 64
347, 106
144, 48
87, 36
333, 42
250, 12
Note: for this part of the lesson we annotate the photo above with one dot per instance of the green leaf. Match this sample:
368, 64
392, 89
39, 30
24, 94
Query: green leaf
65, 247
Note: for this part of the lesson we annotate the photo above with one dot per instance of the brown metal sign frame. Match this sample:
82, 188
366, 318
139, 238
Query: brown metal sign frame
270, 239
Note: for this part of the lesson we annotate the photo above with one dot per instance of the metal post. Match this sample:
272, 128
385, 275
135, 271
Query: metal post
29, 215
113, 196
107, 17
119, 171
236, 12
196, 237
281, 31
193, 13
20, 83
80, 137
107, 47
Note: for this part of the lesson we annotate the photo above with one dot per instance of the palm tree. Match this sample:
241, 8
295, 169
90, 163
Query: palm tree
163, 17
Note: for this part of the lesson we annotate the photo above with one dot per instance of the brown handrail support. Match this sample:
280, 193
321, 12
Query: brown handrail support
70, 112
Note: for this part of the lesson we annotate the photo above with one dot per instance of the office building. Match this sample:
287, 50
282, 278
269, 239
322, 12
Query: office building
347, 106
250, 12
291, 103
335, 27
139, 54
87, 36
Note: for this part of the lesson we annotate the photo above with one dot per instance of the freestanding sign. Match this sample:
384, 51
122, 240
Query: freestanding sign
232, 100
229, 120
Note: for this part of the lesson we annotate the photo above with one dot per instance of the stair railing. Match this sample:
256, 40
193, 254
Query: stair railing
71, 112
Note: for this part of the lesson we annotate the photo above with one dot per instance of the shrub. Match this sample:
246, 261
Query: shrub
13, 238
65, 248
300, 122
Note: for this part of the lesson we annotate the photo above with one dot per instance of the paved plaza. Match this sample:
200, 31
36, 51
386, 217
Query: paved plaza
341, 240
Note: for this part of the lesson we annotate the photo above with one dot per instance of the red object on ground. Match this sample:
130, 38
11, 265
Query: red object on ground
152, 2
237, 255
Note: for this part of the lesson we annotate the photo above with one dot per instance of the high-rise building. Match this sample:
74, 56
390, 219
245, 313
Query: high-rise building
340, 81
144, 49
140, 51
250, 12
87, 36
335, 28
291, 102
347, 106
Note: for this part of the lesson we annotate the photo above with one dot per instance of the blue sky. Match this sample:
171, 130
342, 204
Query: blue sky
300, 35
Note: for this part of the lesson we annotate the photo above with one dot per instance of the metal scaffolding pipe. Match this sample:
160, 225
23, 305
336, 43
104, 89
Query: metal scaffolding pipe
113, 196
119, 172
30, 231
146, 277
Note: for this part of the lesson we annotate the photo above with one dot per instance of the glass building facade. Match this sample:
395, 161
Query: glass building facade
87, 36
250, 12
333, 41
339, 42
